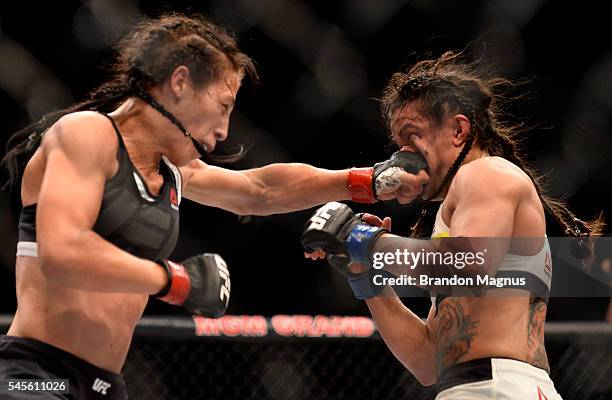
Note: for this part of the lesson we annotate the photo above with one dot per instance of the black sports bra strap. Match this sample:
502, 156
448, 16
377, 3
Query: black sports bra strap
121, 144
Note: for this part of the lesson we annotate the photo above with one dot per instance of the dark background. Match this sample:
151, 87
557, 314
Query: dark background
322, 65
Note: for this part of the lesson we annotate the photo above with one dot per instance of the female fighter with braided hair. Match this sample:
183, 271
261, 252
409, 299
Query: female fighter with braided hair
101, 196
473, 348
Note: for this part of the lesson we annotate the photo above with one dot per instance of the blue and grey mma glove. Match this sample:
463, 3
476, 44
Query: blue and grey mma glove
337, 230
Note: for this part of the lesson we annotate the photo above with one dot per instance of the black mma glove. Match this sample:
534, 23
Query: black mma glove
335, 229
201, 284
345, 238
406, 160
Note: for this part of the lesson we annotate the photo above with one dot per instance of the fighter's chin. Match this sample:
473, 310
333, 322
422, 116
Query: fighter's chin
182, 158
432, 195
181, 161
428, 192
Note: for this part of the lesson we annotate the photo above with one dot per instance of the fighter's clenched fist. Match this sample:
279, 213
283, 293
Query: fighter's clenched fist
401, 177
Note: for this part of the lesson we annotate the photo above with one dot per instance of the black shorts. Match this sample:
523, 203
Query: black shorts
22, 358
466, 372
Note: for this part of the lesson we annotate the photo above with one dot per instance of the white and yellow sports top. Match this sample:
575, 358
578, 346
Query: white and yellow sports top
536, 269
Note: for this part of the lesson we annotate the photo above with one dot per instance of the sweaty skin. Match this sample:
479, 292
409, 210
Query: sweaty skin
489, 197
467, 328
85, 295
91, 323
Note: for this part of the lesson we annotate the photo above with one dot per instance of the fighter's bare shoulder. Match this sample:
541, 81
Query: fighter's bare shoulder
190, 169
86, 137
495, 175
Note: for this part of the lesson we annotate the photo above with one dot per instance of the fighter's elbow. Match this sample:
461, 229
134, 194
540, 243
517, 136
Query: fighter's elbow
52, 258
425, 379
266, 201
420, 363
56, 256
423, 373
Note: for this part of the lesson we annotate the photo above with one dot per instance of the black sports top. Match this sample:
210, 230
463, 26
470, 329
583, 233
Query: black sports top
130, 217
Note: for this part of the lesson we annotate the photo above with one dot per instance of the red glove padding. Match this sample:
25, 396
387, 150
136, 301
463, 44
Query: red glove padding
201, 284
360, 185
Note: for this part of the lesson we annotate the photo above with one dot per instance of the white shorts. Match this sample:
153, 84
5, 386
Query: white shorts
495, 379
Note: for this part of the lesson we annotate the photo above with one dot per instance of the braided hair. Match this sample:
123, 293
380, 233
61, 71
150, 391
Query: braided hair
449, 84
146, 57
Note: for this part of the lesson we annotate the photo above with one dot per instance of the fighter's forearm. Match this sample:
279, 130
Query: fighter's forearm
406, 335
88, 262
446, 257
292, 187
401, 255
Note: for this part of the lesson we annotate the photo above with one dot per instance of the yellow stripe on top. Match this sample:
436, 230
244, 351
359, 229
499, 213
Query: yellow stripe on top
535, 268
441, 230
438, 235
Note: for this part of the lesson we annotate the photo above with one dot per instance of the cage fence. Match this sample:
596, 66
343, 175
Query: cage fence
176, 359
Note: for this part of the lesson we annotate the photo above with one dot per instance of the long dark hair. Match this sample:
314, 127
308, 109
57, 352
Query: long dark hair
452, 84
146, 57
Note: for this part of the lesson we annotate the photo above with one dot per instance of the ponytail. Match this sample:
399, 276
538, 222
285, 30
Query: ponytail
24, 142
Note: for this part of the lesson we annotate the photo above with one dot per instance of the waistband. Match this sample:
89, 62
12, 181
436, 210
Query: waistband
483, 369
467, 372
31, 349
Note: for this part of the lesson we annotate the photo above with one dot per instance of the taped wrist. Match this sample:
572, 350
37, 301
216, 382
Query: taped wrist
360, 242
178, 287
360, 185
363, 285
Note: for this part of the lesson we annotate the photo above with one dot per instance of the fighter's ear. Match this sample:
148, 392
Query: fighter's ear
179, 81
462, 128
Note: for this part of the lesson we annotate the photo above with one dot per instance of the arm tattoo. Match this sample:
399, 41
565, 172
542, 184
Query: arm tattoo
535, 335
453, 335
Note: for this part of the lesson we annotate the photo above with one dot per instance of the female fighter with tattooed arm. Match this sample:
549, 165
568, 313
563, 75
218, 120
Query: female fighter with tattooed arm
471, 347
101, 196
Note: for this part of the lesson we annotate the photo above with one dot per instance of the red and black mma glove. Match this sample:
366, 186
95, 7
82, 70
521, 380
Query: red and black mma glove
201, 284
335, 229
364, 183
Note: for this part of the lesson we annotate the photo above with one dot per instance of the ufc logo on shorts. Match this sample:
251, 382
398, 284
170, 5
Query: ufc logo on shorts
100, 386
541, 396
224, 291
322, 215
